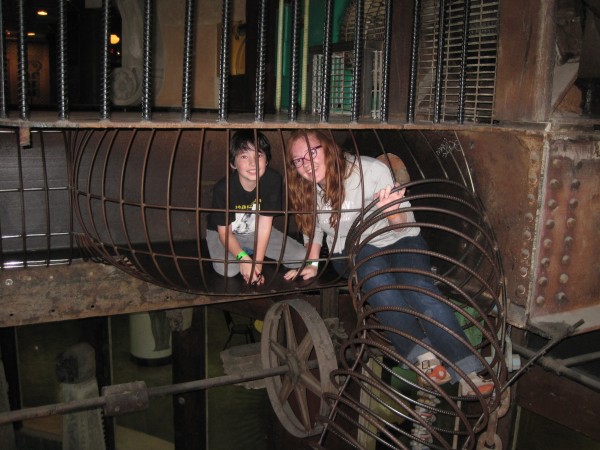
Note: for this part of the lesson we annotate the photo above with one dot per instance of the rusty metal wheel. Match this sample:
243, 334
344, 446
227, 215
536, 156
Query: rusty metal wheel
295, 335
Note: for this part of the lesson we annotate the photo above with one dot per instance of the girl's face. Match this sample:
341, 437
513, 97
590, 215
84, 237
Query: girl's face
250, 166
309, 160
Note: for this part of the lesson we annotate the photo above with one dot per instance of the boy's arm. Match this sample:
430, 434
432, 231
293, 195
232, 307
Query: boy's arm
263, 234
234, 248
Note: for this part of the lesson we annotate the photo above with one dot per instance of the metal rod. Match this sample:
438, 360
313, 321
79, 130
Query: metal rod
224, 61
440, 61
326, 80
295, 62
3, 72
147, 75
387, 50
104, 88
558, 367
259, 107
463, 62
22, 62
414, 59
158, 391
63, 97
186, 100
358, 59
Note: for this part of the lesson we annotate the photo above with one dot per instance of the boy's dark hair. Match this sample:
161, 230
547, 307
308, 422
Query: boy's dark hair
243, 139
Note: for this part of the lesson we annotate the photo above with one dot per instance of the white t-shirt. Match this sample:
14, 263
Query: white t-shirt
376, 176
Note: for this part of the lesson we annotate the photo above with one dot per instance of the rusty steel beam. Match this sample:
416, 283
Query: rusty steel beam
82, 290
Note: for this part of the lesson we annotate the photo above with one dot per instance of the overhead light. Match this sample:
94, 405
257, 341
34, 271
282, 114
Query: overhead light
31, 33
114, 39
42, 12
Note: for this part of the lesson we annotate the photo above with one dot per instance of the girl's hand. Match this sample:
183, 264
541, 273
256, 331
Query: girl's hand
386, 196
306, 273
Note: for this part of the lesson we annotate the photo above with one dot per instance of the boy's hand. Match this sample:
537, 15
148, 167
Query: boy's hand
306, 273
256, 278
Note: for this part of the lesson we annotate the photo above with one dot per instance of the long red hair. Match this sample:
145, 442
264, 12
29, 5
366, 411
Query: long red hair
301, 192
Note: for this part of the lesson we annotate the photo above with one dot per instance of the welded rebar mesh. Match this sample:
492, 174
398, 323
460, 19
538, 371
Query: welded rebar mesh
36, 218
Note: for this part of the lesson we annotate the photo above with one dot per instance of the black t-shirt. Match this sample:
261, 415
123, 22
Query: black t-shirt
242, 203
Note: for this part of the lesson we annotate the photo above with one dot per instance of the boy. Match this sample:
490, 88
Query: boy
239, 230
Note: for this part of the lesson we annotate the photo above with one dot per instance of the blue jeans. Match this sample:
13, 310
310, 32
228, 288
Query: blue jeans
419, 330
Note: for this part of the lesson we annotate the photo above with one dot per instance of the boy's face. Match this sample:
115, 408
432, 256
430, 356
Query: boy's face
250, 166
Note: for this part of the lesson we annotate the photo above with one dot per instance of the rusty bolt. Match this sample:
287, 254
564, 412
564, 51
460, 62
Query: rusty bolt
523, 271
550, 224
543, 281
556, 163
8, 282
540, 300
560, 297
520, 290
564, 278
554, 183
575, 183
568, 242
547, 243
529, 217
566, 259
573, 203
552, 204
527, 235
571, 222
525, 253
545, 262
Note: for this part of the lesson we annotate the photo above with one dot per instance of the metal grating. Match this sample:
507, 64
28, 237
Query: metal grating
374, 21
341, 79
481, 58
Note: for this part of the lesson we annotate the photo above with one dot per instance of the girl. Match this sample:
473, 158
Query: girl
344, 185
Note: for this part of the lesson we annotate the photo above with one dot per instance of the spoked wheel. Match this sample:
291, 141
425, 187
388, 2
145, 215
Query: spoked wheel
295, 335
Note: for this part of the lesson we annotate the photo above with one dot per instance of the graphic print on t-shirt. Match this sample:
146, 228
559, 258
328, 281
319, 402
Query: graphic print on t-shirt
244, 222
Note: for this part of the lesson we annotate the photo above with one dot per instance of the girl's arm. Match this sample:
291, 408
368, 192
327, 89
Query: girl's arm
309, 270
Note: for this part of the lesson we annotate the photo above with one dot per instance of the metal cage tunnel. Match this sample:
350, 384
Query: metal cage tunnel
139, 199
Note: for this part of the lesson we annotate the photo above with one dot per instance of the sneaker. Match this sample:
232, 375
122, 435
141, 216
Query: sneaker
484, 386
433, 368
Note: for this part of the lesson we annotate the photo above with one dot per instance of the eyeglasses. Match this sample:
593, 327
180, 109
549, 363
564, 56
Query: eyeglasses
310, 154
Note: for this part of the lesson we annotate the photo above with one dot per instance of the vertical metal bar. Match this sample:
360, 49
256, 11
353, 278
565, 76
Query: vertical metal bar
224, 60
63, 98
147, 76
463, 62
440, 61
387, 50
3, 72
326, 81
358, 59
104, 89
186, 94
22, 61
259, 107
293, 111
414, 59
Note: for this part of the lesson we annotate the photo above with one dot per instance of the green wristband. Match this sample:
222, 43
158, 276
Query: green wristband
312, 263
240, 255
